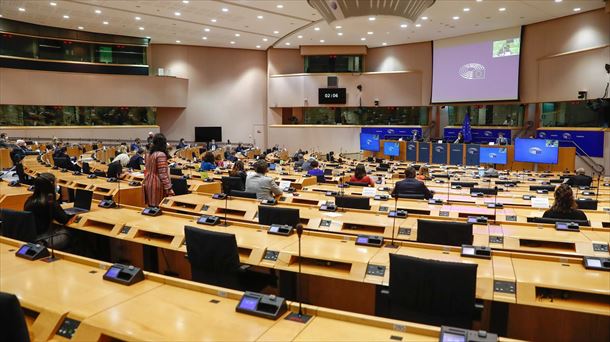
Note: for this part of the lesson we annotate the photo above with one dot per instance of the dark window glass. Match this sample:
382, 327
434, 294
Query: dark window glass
11, 115
366, 116
571, 114
333, 64
18, 46
487, 115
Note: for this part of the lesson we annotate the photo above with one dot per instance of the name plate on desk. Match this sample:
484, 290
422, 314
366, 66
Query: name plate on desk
123, 274
369, 240
443, 213
540, 202
451, 334
476, 251
280, 229
257, 304
595, 263
511, 218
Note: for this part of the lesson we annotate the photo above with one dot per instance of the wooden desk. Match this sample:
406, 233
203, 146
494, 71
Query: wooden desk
12, 197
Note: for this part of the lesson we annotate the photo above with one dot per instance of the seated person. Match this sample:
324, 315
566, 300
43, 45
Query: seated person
564, 206
501, 139
44, 205
315, 170
238, 170
209, 162
306, 166
264, 187
115, 169
360, 176
135, 146
410, 185
580, 179
181, 143
19, 152
491, 172
423, 173
136, 160
459, 139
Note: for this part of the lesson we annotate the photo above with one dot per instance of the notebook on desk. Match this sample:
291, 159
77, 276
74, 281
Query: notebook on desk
82, 202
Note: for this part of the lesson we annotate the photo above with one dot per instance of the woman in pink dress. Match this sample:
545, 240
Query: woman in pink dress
157, 184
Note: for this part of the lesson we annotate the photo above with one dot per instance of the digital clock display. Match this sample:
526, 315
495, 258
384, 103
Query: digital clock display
331, 96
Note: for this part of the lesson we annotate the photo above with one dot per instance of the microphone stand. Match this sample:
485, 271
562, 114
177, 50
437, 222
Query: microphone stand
448, 186
599, 175
51, 245
118, 197
495, 203
392, 245
299, 317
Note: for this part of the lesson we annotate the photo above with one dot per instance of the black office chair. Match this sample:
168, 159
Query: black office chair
465, 184
274, 215
432, 292
18, 225
586, 204
180, 186
542, 187
12, 317
444, 232
320, 179
242, 194
411, 196
485, 191
353, 202
86, 168
549, 220
232, 183
358, 183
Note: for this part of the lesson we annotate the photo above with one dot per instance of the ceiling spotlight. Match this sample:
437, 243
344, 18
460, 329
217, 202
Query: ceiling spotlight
502, 9
258, 46
287, 43
417, 25
265, 39
424, 18
204, 38
338, 27
213, 20
105, 22
185, 1
206, 29
577, 9
141, 28
177, 41
363, 39
370, 32
53, 3
259, 17
466, 9
456, 18
339, 33
21, 9
299, 36
316, 29
403, 25
479, 0
384, 43
232, 42
558, 1
148, 37
225, 9
177, 14
81, 28
280, 6
138, 18
276, 32
98, 11
237, 35
372, 18
321, 40
66, 16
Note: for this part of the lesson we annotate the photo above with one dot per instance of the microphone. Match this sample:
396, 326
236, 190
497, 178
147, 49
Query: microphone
392, 245
495, 203
118, 195
299, 317
599, 175
448, 186
51, 245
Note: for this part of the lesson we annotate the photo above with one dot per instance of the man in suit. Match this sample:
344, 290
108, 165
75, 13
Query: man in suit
264, 187
410, 185
580, 179
501, 139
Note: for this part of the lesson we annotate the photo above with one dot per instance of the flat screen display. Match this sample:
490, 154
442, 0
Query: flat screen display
477, 67
207, 134
369, 142
248, 303
332, 96
23, 250
492, 155
113, 272
391, 148
537, 151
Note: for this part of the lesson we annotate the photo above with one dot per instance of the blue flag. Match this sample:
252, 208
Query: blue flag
466, 131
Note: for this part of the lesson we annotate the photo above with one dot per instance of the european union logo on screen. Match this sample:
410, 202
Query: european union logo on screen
492, 155
472, 71
466, 129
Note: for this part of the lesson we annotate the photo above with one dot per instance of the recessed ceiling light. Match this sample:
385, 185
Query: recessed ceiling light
502, 9
338, 27
138, 18
456, 17
316, 29
299, 36
185, 1
577, 9
81, 28
424, 18
403, 25
339, 33
232, 42
276, 32
98, 12
213, 20
237, 35
417, 25
204, 38
53, 3
66, 16
224, 9
280, 6
479, 0
141, 28
105, 22
362, 38
258, 46
177, 14
466, 9
147, 37
265, 39
206, 29
384, 44
177, 41
372, 18
558, 1
259, 17
21, 9
321, 40
0, 15
370, 32
287, 43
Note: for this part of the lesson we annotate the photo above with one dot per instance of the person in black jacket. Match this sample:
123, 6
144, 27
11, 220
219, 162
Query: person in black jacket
580, 179
44, 205
410, 185
136, 160
238, 171
564, 206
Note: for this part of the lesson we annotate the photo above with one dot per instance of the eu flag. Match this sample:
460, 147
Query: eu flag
466, 131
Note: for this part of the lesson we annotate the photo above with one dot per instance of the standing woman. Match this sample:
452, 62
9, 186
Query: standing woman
156, 182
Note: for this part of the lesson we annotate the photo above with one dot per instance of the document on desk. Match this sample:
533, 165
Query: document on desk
540, 202
369, 192
332, 214
284, 184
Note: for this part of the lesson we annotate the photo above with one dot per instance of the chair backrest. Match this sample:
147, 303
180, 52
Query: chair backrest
86, 168
275, 215
444, 232
214, 257
411, 196
232, 183
465, 184
243, 194
550, 220
18, 225
542, 187
11, 316
320, 179
354, 202
180, 186
486, 191
358, 183
114, 170
432, 292
586, 203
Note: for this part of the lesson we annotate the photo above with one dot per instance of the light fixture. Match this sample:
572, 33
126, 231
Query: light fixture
276, 32
265, 39
206, 29
370, 32
232, 42
213, 20
384, 43
138, 18
456, 17
177, 14
502, 9
479, 0
287, 44
177, 41
81, 28
185, 1
21, 9
372, 18
224, 9
321, 40
338, 27
258, 46
417, 25
424, 18
204, 38
466, 9
98, 11
316, 29
53, 3
141, 28
577, 9
280, 6
299, 36
558, 1
237, 35
148, 37
66, 16
339, 33
259, 17
403, 25
363, 39
105, 22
